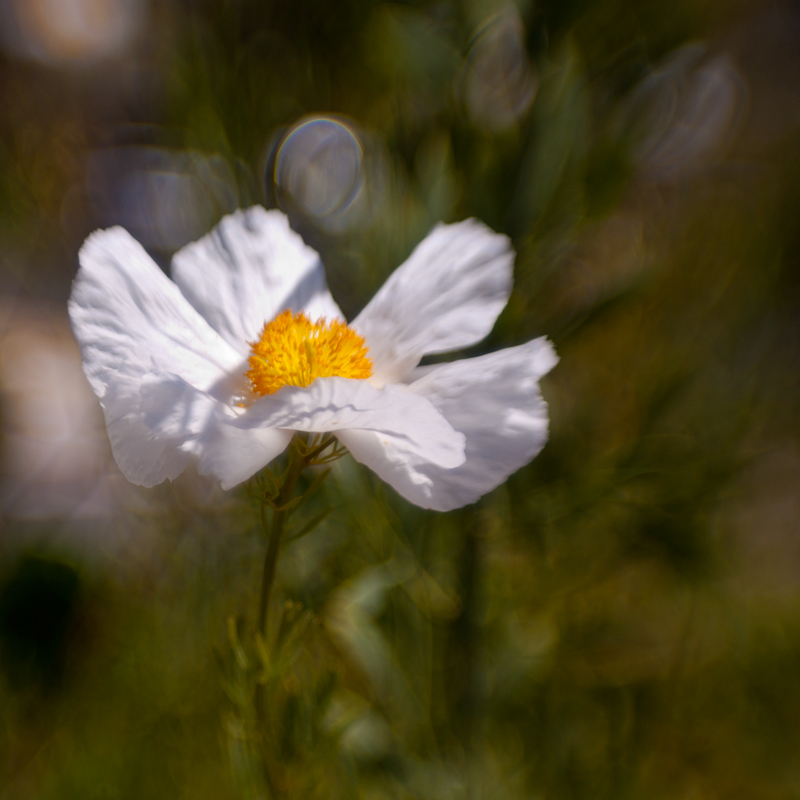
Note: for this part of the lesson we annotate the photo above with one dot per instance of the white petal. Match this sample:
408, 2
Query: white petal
135, 327
175, 410
495, 401
185, 422
145, 457
130, 319
233, 454
409, 430
446, 296
247, 270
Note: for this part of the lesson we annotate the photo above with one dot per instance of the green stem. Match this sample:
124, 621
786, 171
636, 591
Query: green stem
297, 464
301, 456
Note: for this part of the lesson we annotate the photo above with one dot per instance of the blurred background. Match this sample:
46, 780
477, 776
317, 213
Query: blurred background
622, 618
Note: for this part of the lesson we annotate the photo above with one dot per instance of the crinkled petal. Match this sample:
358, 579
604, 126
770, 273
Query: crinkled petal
247, 270
145, 457
496, 402
176, 410
234, 454
188, 422
135, 328
131, 320
446, 296
410, 430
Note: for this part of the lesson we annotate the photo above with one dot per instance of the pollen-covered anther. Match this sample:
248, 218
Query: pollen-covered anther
293, 351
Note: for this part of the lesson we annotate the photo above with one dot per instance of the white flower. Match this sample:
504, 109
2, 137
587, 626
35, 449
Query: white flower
168, 359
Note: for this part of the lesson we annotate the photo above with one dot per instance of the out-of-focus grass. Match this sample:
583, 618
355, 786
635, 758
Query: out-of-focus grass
620, 619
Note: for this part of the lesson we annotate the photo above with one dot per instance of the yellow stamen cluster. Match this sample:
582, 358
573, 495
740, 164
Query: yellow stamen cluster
293, 351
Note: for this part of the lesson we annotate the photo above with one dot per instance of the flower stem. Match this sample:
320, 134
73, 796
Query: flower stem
297, 463
302, 455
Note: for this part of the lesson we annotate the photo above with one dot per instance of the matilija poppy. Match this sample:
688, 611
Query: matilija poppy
245, 346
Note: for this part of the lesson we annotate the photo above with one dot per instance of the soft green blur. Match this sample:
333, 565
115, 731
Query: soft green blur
622, 618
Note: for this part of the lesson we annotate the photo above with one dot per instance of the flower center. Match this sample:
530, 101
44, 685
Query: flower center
293, 351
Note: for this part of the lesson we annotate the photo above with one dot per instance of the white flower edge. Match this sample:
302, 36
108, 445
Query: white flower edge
167, 359
495, 401
446, 296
